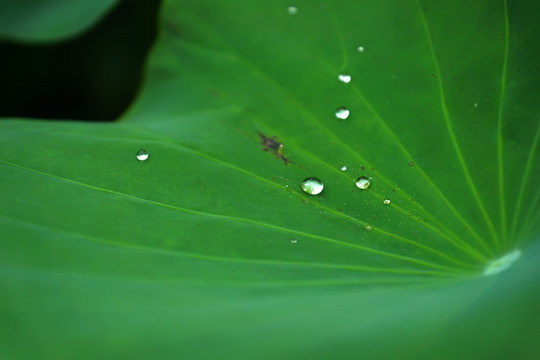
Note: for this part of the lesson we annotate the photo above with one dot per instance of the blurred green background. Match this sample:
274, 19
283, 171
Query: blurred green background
93, 76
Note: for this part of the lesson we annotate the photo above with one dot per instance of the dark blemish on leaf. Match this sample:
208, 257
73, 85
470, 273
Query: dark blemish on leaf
216, 92
299, 166
272, 145
362, 167
432, 74
411, 163
372, 169
393, 190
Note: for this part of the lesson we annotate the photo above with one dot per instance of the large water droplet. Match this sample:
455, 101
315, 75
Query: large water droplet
312, 186
368, 227
292, 10
360, 49
386, 201
363, 182
142, 155
342, 113
344, 168
344, 78
502, 263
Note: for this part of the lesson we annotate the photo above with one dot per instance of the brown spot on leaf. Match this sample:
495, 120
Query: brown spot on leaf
271, 144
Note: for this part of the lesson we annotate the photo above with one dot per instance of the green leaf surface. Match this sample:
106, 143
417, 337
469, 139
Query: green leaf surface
49, 20
210, 248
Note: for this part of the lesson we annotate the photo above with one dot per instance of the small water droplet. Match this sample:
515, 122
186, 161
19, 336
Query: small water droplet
312, 186
386, 201
142, 155
475, 105
294, 241
344, 78
363, 182
368, 227
292, 10
360, 49
342, 113
344, 168
502, 263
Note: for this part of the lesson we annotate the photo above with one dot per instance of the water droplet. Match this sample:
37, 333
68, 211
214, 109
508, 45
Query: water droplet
344, 168
342, 113
475, 105
386, 201
312, 186
142, 155
502, 263
294, 241
368, 227
292, 10
344, 78
360, 49
363, 182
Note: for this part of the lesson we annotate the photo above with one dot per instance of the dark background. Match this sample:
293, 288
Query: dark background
93, 76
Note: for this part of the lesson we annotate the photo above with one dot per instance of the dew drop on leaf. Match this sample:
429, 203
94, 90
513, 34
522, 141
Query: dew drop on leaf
292, 10
344, 168
344, 78
294, 241
312, 186
342, 113
368, 227
363, 182
386, 201
360, 49
142, 155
